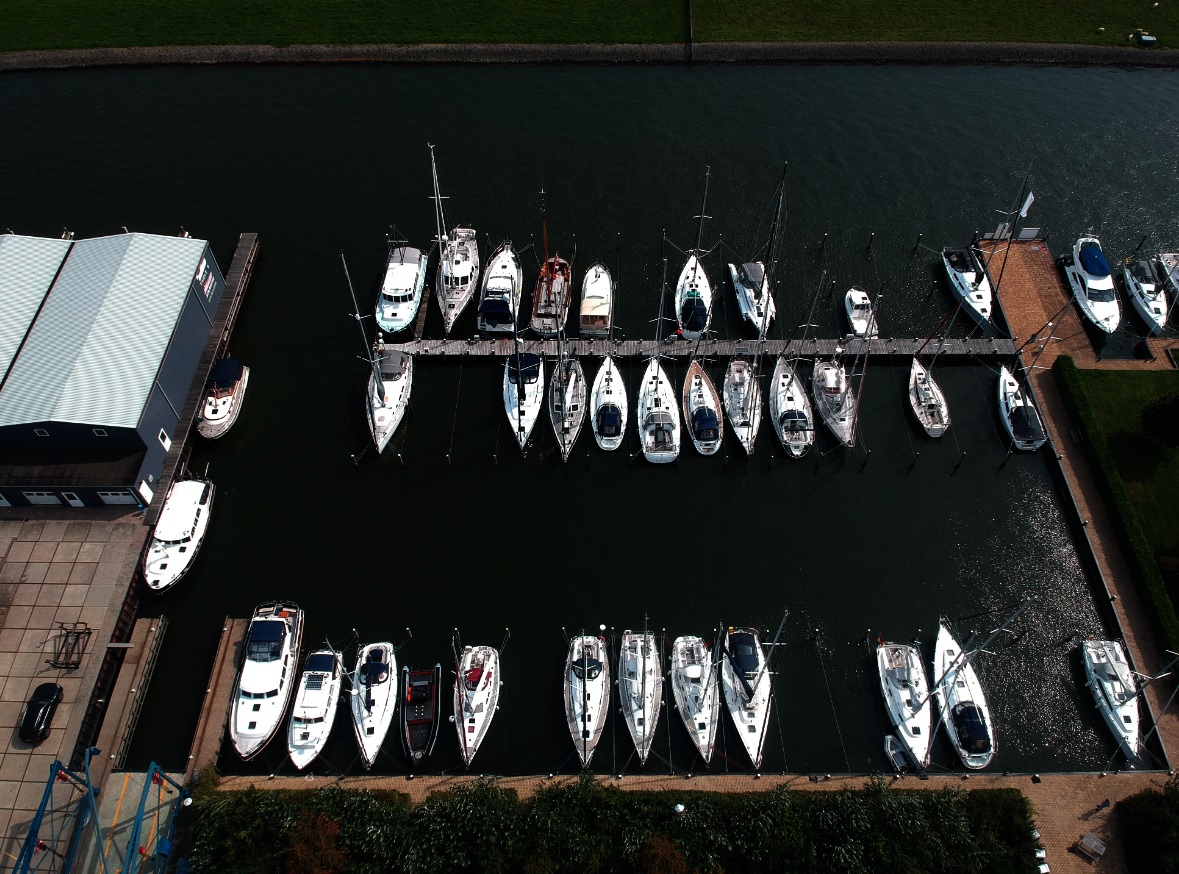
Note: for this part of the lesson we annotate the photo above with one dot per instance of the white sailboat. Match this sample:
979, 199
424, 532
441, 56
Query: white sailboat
905, 689
1091, 279
962, 705
927, 400
658, 418
640, 688
476, 697
402, 288
742, 399
1020, 417
754, 300
835, 398
499, 296
458, 262
702, 410
179, 532
267, 676
554, 287
790, 410
314, 712
567, 397
587, 693
1145, 290
597, 302
374, 697
745, 679
970, 282
695, 691
223, 401
1115, 691
693, 290
609, 403
861, 315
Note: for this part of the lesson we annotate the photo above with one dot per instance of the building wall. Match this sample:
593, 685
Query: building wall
66, 436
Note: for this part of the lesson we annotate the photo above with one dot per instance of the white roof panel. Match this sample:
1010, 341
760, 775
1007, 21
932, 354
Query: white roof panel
27, 268
94, 351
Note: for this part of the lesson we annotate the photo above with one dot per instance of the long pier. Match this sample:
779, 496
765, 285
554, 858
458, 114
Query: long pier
900, 347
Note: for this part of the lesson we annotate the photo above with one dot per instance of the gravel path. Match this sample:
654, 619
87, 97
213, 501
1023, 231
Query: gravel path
735, 53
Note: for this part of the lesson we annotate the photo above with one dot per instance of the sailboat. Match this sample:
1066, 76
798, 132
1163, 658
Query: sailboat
587, 693
745, 679
499, 297
374, 697
695, 691
314, 712
609, 404
1145, 290
702, 410
523, 391
927, 400
390, 382
567, 395
963, 707
402, 288
970, 282
597, 302
640, 688
1115, 691
458, 262
476, 697
659, 421
267, 676
742, 397
790, 410
693, 291
835, 398
554, 287
905, 689
419, 711
1020, 417
754, 299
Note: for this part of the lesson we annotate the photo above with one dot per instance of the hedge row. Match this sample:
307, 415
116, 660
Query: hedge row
1139, 554
587, 827
1150, 829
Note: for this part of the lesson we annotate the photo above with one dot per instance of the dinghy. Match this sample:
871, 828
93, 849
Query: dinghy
314, 712
374, 698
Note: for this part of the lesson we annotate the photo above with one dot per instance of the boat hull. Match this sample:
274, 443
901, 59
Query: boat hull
693, 300
458, 275
961, 703
256, 715
658, 417
695, 691
752, 288
597, 298
702, 410
314, 711
927, 401
499, 295
835, 400
387, 408
904, 687
745, 681
1094, 294
476, 697
742, 400
523, 399
640, 689
567, 396
1021, 420
1146, 294
550, 298
1114, 690
969, 283
587, 693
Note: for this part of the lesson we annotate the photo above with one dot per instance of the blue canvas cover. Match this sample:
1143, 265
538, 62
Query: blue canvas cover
704, 424
1026, 425
226, 373
609, 421
1093, 260
495, 311
971, 730
524, 365
321, 661
694, 314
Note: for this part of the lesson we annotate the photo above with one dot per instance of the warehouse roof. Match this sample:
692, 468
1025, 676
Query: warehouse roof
27, 268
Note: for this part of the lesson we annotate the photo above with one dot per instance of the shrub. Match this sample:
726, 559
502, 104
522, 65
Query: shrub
1150, 824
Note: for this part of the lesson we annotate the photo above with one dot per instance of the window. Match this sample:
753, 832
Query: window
165, 440
99, 432
40, 432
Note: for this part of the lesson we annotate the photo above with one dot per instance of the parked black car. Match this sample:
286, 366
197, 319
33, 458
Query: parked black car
34, 724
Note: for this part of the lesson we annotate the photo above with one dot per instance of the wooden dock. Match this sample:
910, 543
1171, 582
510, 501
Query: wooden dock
206, 742
901, 348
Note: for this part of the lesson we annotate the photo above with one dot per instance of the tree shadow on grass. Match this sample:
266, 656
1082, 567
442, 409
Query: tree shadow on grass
1136, 455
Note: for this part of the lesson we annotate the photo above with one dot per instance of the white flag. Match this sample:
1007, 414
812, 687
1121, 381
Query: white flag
1027, 204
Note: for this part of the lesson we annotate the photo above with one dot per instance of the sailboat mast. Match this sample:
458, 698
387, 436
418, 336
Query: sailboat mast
771, 255
439, 216
965, 657
1011, 227
372, 360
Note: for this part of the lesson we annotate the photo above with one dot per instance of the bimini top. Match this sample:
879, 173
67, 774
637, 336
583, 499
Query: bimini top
93, 353
265, 643
694, 314
394, 365
971, 730
524, 364
27, 268
495, 311
741, 651
1025, 424
1093, 260
610, 420
704, 424
752, 273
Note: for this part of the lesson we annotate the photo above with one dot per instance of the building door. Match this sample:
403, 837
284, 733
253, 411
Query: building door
72, 499
42, 498
145, 492
123, 496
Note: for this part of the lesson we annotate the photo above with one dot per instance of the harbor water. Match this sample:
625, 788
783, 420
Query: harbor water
452, 529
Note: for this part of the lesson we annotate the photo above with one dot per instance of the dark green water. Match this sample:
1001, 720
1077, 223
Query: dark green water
324, 159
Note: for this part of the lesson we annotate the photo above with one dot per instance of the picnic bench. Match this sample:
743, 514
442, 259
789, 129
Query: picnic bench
1091, 846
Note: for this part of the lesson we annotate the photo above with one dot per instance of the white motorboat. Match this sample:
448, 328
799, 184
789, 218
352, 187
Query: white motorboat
640, 688
702, 410
402, 288
1020, 417
694, 690
745, 679
1091, 279
374, 697
860, 314
523, 393
499, 297
609, 405
223, 401
742, 399
458, 262
314, 712
420, 716
693, 299
927, 400
267, 676
1115, 691
835, 399
1146, 293
753, 295
790, 410
905, 688
970, 282
964, 710
587, 693
597, 301
476, 697
388, 396
659, 421
179, 532
567, 396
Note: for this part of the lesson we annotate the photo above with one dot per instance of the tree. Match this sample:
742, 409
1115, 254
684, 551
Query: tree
1160, 419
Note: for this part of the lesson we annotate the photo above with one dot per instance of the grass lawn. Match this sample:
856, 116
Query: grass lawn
49, 24
1149, 468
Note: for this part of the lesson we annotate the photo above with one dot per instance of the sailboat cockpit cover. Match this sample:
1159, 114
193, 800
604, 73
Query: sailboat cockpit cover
794, 420
694, 314
374, 672
741, 649
1025, 424
495, 311
971, 730
393, 365
587, 669
609, 421
1093, 260
704, 424
752, 275
524, 366
265, 644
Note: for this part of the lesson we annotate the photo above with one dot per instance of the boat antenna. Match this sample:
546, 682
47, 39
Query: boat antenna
439, 215
378, 382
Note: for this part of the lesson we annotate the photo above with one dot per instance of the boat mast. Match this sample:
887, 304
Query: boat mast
1011, 225
439, 216
700, 221
379, 383
965, 657
771, 255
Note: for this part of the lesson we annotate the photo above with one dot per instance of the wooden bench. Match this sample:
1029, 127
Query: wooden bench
1090, 846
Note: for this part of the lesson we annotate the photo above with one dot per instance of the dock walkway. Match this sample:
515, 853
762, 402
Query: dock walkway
210, 731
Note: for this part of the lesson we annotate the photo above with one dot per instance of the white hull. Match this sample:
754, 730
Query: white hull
523, 396
905, 688
746, 683
387, 407
835, 399
658, 418
567, 396
695, 689
790, 410
703, 416
1115, 691
742, 398
969, 282
608, 403
315, 708
640, 689
693, 291
597, 297
962, 705
476, 697
499, 297
1146, 294
179, 532
373, 698
1020, 417
402, 289
1092, 284
267, 676
857, 306
587, 693
458, 275
222, 406
753, 295
927, 400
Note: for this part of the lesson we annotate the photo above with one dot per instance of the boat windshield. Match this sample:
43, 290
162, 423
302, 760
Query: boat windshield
1101, 295
971, 730
265, 643
587, 669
